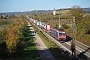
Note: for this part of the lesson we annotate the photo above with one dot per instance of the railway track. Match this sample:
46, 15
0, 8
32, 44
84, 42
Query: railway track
82, 50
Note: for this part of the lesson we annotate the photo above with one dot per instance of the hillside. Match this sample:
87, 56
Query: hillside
26, 12
83, 27
42, 11
66, 19
62, 12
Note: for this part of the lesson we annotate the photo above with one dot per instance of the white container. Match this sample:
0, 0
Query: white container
34, 21
42, 25
38, 23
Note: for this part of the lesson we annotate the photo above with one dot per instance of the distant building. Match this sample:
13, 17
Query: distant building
54, 12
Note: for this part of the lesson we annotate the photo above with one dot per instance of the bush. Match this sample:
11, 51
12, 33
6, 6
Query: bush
5, 22
3, 50
86, 28
65, 26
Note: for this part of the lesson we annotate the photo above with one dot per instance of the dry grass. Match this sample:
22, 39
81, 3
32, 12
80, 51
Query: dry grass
62, 12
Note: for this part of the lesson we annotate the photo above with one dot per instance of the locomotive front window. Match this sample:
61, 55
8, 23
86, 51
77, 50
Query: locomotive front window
62, 33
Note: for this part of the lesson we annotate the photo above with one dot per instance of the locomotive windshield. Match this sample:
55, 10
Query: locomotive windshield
62, 33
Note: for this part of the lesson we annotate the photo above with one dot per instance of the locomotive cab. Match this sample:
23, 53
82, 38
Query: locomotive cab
59, 34
62, 35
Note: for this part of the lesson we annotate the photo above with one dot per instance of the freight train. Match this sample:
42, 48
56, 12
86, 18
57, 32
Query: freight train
58, 34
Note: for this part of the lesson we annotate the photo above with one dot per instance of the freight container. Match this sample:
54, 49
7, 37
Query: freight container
47, 27
38, 23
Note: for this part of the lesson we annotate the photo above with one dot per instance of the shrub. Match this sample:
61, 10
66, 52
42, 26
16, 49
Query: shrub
65, 26
86, 28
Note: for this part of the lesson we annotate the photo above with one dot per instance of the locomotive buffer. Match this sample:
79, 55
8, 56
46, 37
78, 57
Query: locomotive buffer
73, 40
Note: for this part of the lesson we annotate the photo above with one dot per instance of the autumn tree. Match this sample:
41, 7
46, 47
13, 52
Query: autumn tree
10, 39
14, 37
77, 12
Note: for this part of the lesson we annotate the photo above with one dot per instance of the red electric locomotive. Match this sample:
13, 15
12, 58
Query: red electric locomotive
59, 34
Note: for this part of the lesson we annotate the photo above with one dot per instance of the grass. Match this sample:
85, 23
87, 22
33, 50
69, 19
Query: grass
30, 52
55, 50
62, 11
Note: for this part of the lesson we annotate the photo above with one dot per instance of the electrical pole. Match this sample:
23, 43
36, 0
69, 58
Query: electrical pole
73, 49
54, 13
33, 16
40, 21
59, 21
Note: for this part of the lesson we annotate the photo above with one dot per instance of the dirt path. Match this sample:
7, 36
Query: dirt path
45, 54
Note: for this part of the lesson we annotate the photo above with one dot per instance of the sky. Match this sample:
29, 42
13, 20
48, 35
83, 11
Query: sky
29, 5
